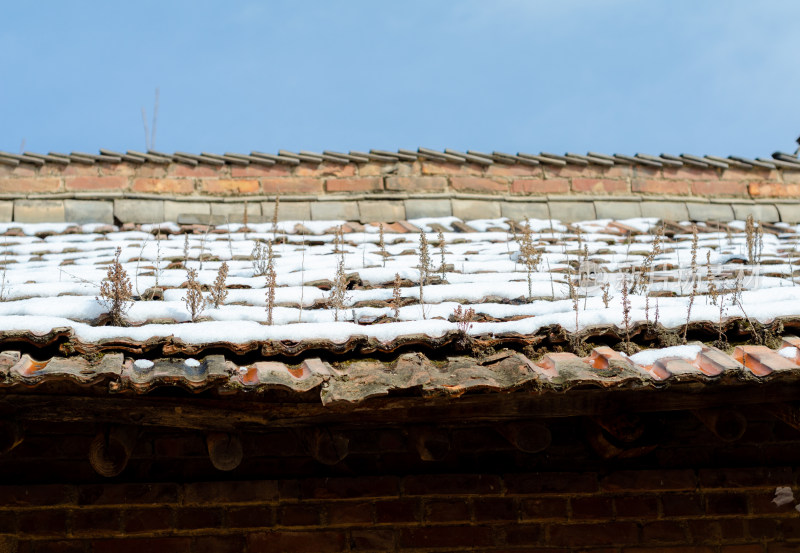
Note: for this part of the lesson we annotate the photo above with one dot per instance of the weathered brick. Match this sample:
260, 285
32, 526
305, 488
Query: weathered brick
790, 213
689, 173
182, 170
95, 521
134, 545
750, 477
10, 185
163, 186
373, 539
599, 186
299, 515
39, 211
89, 211
349, 513
478, 184
569, 171
494, 508
649, 480
292, 185
127, 494
277, 170
502, 170
375, 211
46, 522
714, 531
446, 510
218, 544
526, 534
139, 211
40, 495
6, 211
173, 210
146, 520
543, 508
234, 212
540, 186
468, 210
718, 188
198, 517
663, 531
608, 533
335, 211
354, 184
251, 516
418, 208
636, 506
96, 183
452, 484
551, 482
231, 492
726, 504
397, 510
48, 546
325, 169
349, 488
446, 536
230, 186
660, 186
679, 505
297, 542
617, 210
417, 184
774, 189
429, 167
592, 507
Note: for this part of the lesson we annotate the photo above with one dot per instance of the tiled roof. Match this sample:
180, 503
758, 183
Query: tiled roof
778, 160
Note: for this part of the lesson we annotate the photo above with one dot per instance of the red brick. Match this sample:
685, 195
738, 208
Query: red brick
543, 508
230, 186
96, 183
680, 505
663, 531
142, 545
714, 531
80, 170
599, 186
146, 520
355, 184
637, 480
49, 522
781, 548
291, 185
299, 515
689, 173
525, 534
397, 510
659, 186
218, 544
592, 507
166, 186
251, 516
429, 167
325, 170
636, 506
446, 511
568, 171
608, 533
180, 446
150, 170
127, 494
502, 170
790, 528
551, 482
668, 549
94, 521
349, 488
349, 513
446, 536
296, 542
751, 477
22, 496
726, 504
372, 539
452, 484
774, 189
8, 522
495, 508
231, 492
762, 503
477, 184
416, 184
719, 188
762, 528
540, 186
750, 548
53, 546
277, 170
181, 170
198, 517
25, 186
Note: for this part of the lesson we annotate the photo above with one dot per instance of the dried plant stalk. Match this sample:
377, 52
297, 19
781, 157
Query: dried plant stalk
397, 298
606, 297
694, 278
338, 294
194, 295
275, 219
424, 268
185, 249
442, 252
116, 293
271, 281
219, 290
626, 313
382, 244
528, 255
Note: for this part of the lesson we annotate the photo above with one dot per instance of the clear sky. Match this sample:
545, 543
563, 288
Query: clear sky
615, 76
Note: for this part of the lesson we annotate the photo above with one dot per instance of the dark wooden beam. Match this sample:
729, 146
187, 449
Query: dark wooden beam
530, 437
431, 444
111, 448
224, 450
726, 424
327, 446
11, 435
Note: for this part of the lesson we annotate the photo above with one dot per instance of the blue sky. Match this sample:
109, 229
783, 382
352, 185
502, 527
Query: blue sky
612, 76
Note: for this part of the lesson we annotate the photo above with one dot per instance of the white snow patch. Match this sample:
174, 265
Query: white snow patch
649, 357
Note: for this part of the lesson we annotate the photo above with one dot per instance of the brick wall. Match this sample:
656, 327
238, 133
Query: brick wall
400, 177
641, 511
694, 493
